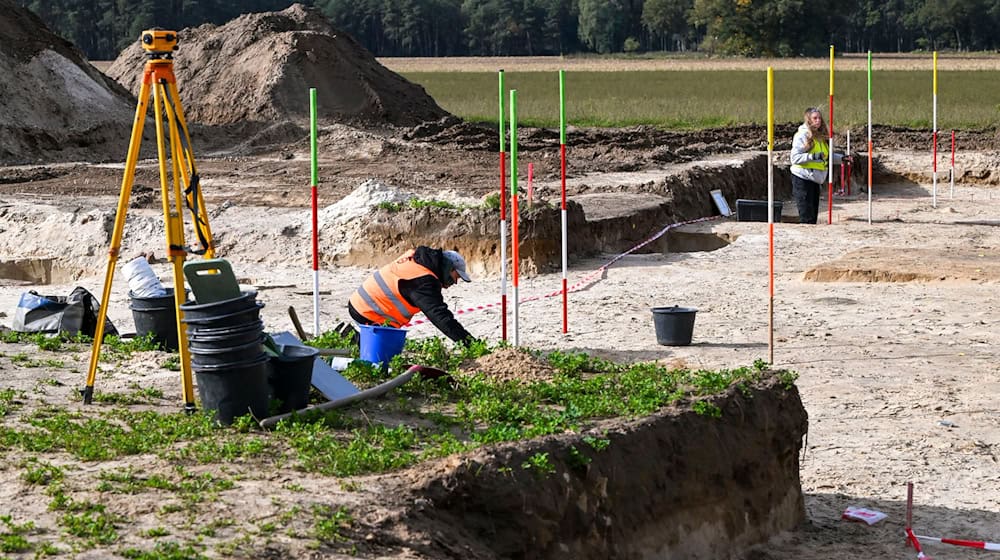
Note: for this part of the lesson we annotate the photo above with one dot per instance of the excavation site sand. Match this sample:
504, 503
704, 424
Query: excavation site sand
892, 326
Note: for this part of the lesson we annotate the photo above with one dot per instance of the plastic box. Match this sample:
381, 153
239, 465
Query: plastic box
756, 210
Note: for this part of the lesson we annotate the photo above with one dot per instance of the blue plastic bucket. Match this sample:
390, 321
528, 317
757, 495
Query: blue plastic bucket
381, 344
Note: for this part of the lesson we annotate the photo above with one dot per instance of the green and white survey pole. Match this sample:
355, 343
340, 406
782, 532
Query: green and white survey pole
503, 217
770, 213
871, 153
934, 136
829, 163
513, 202
562, 212
315, 208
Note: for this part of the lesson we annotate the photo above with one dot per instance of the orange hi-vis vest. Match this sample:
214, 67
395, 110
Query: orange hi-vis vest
378, 299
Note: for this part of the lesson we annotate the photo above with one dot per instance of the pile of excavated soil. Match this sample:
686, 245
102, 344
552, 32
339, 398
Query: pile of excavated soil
259, 67
511, 364
55, 106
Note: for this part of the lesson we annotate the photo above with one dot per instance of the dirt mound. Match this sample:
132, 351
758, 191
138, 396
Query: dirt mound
259, 67
55, 106
511, 364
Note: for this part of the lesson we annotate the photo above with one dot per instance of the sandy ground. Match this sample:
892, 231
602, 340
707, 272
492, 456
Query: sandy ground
898, 377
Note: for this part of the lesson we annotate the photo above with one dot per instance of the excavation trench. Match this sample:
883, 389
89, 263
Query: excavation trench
676, 484
610, 215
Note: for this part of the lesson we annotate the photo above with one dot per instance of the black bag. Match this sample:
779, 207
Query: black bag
76, 313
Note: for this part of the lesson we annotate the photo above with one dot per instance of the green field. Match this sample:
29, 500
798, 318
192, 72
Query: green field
698, 99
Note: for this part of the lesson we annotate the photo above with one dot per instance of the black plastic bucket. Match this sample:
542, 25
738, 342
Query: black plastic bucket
198, 311
674, 325
234, 319
226, 355
226, 336
156, 315
234, 390
290, 376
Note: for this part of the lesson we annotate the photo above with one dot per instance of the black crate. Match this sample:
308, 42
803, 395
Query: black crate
756, 210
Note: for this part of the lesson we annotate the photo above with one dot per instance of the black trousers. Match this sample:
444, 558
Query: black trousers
806, 195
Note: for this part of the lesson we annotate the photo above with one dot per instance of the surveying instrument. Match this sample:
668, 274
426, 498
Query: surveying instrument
180, 186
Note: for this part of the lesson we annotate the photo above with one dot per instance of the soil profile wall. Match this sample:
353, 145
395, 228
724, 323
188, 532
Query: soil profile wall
675, 484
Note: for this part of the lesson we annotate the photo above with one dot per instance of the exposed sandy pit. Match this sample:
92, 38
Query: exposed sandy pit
898, 378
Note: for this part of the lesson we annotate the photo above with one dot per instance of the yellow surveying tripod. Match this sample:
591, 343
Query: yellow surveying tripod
158, 77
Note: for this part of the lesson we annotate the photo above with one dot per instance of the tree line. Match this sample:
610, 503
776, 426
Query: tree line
101, 28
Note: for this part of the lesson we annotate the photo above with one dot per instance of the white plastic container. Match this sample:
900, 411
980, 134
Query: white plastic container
142, 281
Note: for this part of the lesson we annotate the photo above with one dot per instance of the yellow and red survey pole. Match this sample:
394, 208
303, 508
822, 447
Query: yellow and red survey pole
770, 213
513, 203
829, 164
562, 212
315, 210
503, 219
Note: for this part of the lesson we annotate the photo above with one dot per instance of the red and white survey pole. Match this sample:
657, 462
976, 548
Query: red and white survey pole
503, 219
829, 164
770, 213
315, 208
934, 136
562, 212
908, 530
513, 203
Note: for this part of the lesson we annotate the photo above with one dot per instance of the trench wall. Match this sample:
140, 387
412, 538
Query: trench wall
675, 484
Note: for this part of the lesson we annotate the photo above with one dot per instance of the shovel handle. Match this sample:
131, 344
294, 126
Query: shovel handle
295, 322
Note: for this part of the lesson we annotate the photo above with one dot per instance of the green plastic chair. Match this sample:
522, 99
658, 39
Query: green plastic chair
211, 280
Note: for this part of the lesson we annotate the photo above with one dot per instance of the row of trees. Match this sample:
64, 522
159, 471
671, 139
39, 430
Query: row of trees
545, 27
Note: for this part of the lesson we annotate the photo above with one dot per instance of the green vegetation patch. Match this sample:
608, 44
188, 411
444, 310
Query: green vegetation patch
428, 418
677, 100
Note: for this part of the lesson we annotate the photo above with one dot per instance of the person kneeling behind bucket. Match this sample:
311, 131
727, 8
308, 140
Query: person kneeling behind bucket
411, 283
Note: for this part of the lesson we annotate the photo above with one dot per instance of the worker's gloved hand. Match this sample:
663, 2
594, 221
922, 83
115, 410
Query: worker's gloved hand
818, 156
469, 341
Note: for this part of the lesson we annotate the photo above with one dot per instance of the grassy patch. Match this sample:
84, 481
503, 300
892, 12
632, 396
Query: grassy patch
330, 523
443, 417
10, 400
138, 395
12, 535
677, 100
167, 550
417, 203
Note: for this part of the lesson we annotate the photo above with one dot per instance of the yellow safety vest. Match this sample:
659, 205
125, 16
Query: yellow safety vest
819, 147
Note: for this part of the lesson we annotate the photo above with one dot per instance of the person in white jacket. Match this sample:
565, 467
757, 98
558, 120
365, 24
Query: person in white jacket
811, 160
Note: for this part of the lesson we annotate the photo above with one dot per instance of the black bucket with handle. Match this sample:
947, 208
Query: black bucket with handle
156, 315
674, 325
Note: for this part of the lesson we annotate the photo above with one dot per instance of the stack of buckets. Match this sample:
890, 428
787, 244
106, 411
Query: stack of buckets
226, 340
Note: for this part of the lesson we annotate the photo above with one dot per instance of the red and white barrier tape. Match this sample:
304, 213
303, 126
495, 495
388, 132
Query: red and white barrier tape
962, 542
916, 544
583, 282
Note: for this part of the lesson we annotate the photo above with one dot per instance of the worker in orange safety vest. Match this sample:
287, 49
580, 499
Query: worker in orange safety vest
410, 284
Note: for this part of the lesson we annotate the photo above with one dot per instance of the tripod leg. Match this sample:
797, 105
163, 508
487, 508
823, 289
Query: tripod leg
195, 200
175, 236
116, 237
